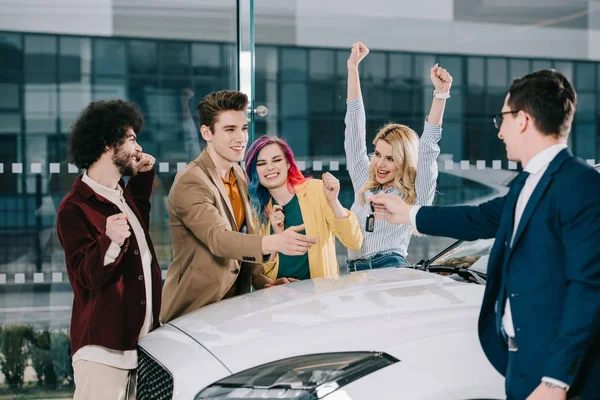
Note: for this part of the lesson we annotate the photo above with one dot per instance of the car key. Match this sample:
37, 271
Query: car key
370, 224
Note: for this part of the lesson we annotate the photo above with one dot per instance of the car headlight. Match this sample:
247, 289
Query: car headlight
304, 377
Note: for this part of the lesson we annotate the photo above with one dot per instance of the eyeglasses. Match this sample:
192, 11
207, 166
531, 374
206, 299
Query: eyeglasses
498, 118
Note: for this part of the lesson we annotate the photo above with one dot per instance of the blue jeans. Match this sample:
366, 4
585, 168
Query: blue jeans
377, 261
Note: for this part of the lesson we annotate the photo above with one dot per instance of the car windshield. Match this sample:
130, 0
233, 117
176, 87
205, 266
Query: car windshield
473, 255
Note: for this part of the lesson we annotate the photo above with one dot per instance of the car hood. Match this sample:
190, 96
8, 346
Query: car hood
380, 310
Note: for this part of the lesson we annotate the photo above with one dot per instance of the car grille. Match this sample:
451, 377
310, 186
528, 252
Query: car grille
154, 382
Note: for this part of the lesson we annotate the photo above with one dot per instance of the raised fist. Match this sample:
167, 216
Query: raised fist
117, 228
441, 79
277, 219
359, 51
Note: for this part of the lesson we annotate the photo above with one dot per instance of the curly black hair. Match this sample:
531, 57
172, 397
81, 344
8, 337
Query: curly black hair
102, 124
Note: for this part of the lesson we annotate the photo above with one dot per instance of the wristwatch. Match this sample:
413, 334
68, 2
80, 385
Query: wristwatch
439, 95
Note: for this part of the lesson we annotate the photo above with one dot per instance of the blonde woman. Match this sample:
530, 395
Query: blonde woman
401, 164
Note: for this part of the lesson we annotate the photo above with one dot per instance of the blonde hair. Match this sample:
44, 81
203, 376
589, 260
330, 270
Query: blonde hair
405, 150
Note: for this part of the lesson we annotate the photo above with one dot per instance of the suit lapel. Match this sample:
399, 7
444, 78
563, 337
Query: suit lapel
533, 202
539, 191
208, 166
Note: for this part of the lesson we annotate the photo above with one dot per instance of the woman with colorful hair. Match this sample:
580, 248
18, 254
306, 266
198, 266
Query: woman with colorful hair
401, 164
282, 197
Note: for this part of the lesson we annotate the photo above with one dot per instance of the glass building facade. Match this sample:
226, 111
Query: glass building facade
45, 80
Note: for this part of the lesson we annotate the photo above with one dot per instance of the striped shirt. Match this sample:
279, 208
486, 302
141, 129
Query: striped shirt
386, 238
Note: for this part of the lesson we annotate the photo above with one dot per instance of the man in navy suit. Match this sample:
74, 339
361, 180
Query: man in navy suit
540, 319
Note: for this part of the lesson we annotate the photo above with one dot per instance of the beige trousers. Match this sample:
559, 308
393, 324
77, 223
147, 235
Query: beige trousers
95, 381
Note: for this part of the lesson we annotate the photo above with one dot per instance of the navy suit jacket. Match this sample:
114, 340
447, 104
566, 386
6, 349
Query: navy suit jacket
552, 276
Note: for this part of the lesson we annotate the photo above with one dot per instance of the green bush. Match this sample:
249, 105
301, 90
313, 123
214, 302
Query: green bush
13, 353
60, 350
39, 351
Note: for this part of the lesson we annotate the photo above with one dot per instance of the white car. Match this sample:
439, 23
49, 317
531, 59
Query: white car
395, 333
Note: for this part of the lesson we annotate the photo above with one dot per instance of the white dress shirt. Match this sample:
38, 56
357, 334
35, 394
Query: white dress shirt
116, 358
536, 167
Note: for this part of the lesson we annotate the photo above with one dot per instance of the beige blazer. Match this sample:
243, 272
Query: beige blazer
209, 251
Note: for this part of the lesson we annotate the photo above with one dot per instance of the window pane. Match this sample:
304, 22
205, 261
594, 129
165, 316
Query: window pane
321, 64
9, 96
40, 59
519, 68
586, 107
175, 58
293, 64
400, 70
73, 97
423, 64
375, 97
475, 102
585, 140
146, 93
495, 101
541, 64
109, 57
325, 140
10, 123
321, 96
266, 62
206, 59
401, 100
497, 73
341, 58
108, 88
142, 57
374, 68
11, 57
40, 108
294, 99
296, 134
8, 185
585, 76
475, 72
75, 59
452, 139
454, 105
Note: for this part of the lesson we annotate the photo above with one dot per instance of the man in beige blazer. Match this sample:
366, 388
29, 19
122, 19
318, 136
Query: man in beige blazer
216, 253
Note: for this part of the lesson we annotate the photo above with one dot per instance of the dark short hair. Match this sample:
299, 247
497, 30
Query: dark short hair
225, 100
547, 96
102, 124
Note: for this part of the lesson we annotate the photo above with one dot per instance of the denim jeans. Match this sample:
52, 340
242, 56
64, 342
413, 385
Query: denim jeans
377, 261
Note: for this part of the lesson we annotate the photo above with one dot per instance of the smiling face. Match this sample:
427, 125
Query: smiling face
383, 163
230, 136
126, 154
272, 167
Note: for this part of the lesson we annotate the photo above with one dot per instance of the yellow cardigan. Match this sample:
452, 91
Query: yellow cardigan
321, 223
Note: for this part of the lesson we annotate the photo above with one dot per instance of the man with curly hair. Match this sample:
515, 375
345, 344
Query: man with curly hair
103, 227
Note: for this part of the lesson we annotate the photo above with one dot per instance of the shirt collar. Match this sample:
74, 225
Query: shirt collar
231, 180
543, 159
103, 191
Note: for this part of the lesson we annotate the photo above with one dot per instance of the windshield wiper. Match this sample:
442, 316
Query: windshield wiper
424, 264
463, 272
